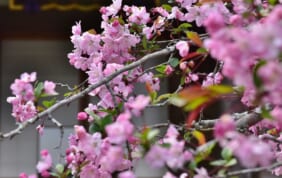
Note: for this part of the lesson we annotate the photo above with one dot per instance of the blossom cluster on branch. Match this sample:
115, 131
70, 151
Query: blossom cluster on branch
241, 39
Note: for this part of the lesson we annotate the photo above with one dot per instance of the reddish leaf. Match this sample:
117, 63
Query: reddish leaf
192, 117
190, 56
199, 136
195, 38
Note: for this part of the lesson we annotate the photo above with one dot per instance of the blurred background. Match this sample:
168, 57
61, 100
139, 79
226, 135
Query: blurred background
35, 36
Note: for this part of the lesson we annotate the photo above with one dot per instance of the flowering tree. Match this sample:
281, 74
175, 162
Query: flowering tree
244, 40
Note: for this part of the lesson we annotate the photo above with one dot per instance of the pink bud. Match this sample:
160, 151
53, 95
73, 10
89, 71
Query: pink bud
183, 66
40, 129
81, 116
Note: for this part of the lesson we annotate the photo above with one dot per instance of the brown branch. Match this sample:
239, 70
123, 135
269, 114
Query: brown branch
243, 120
270, 137
60, 126
21, 126
251, 170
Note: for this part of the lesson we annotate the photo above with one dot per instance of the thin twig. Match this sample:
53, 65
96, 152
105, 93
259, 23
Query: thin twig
251, 170
243, 120
270, 137
60, 126
164, 103
72, 88
23, 125
112, 94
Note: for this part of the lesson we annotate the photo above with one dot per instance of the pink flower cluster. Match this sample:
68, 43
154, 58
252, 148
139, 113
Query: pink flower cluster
92, 156
243, 146
45, 164
23, 101
174, 156
245, 47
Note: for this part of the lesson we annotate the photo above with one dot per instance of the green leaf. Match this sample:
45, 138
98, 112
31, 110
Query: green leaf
60, 168
194, 36
167, 7
184, 26
48, 104
220, 89
201, 50
199, 136
204, 151
54, 174
257, 80
144, 42
272, 2
161, 68
231, 162
92, 114
173, 62
95, 127
177, 101
99, 124
265, 113
226, 154
152, 134
68, 94
106, 121
153, 96
163, 97
195, 103
38, 89
218, 163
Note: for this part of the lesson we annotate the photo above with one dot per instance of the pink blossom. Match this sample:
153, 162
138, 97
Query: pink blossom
40, 129
176, 156
49, 88
137, 104
45, 163
169, 175
76, 29
277, 114
176, 14
23, 112
195, 14
89, 171
148, 32
168, 70
113, 9
186, 3
156, 157
172, 132
183, 48
114, 160
119, 131
201, 173
214, 22
24, 175
25, 77
251, 151
161, 11
81, 116
23, 89
224, 125
139, 15
126, 174
95, 73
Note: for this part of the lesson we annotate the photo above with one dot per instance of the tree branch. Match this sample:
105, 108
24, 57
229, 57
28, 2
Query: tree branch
243, 120
251, 170
162, 53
